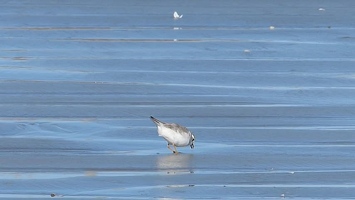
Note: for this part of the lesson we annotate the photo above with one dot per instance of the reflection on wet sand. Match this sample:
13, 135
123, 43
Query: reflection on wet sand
175, 163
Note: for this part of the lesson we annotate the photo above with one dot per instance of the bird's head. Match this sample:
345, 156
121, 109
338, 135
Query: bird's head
192, 141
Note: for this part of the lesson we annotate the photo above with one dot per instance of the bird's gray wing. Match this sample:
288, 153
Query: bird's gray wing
177, 128
156, 121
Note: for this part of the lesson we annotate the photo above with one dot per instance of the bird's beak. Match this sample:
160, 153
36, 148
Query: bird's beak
192, 145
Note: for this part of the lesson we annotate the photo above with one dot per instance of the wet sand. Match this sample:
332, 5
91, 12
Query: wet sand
272, 109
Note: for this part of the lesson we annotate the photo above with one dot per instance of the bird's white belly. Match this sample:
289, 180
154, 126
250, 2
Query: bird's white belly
173, 137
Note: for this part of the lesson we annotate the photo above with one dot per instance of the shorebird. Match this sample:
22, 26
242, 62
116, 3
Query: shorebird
177, 16
175, 134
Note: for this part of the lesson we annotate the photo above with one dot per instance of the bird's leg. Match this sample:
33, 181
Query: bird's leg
170, 148
173, 150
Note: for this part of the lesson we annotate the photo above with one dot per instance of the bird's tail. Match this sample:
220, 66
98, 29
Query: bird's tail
156, 121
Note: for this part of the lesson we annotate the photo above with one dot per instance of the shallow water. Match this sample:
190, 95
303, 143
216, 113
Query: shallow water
272, 110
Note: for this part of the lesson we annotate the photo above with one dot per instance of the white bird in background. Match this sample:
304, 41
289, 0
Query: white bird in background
177, 16
174, 134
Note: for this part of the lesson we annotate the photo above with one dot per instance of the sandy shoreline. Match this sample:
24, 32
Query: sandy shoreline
272, 109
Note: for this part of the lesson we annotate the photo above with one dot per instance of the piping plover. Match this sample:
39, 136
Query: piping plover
174, 134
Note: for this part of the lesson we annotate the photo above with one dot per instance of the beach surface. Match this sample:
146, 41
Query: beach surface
267, 88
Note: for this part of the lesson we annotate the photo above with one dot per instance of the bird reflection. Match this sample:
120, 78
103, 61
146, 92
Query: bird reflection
175, 163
